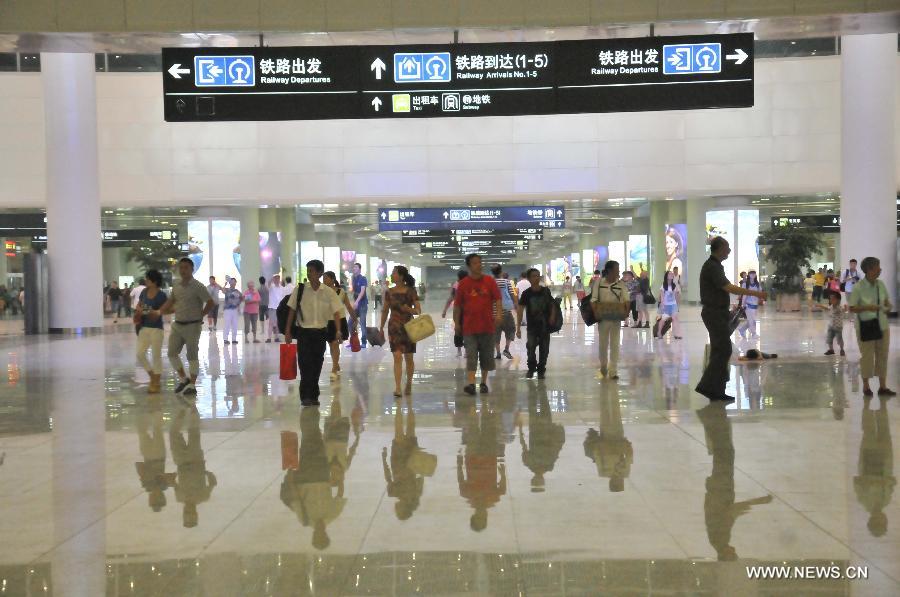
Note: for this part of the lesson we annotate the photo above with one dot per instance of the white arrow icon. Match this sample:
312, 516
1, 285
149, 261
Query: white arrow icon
446, 215
376, 103
215, 71
176, 71
383, 216
379, 67
739, 56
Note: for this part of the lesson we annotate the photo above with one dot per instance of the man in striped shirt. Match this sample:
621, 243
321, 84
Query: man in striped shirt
507, 321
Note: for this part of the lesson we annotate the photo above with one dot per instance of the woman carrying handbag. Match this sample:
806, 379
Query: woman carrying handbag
401, 303
870, 301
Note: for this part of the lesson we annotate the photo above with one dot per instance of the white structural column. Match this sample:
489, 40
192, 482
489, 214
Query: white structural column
696, 246
287, 223
868, 177
73, 195
251, 268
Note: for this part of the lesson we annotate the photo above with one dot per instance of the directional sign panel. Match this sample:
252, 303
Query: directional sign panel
655, 73
293, 83
459, 80
307, 83
432, 218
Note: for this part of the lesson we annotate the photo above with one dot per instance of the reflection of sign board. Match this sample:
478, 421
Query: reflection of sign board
497, 79
496, 218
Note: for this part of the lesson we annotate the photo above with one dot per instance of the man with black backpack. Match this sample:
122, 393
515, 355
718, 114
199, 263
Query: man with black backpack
313, 305
541, 319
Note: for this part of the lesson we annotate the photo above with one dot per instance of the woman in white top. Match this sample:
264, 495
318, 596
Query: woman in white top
669, 295
751, 304
579, 289
567, 293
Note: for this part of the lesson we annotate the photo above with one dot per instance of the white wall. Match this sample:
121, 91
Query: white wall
789, 142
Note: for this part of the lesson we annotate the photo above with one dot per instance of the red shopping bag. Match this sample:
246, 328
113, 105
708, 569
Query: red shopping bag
288, 361
354, 342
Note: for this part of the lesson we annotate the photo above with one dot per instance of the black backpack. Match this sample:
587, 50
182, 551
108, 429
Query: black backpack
281, 313
557, 317
587, 311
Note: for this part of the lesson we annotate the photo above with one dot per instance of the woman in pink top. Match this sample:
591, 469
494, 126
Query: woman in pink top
251, 312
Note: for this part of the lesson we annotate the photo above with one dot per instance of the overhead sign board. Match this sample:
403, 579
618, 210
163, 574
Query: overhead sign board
117, 238
505, 79
497, 218
823, 223
512, 234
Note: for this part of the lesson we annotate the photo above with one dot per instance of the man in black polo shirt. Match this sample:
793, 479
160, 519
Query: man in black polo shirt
714, 290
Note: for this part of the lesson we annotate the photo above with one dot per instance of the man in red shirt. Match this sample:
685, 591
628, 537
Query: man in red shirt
479, 305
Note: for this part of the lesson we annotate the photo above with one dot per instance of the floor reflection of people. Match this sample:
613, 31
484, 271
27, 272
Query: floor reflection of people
481, 467
875, 482
409, 464
751, 376
545, 438
610, 450
152, 443
194, 484
307, 490
337, 443
720, 509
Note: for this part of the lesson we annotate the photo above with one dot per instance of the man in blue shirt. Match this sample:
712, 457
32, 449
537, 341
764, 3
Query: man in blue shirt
359, 285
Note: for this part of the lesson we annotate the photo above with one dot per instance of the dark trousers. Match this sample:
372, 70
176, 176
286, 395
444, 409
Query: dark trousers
538, 342
310, 356
715, 376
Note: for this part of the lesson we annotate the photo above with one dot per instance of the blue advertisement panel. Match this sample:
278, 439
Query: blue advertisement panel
445, 218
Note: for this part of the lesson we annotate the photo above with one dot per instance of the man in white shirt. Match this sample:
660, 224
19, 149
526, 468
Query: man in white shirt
276, 293
288, 286
521, 286
317, 305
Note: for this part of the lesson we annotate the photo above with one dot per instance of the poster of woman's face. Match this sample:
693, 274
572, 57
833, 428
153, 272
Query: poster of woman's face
676, 247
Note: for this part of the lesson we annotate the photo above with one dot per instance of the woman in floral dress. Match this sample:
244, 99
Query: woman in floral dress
402, 302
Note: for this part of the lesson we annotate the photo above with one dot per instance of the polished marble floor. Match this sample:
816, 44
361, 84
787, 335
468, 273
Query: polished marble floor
571, 486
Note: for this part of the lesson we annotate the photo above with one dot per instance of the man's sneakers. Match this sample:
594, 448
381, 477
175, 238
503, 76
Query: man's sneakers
507, 354
469, 389
541, 374
483, 388
530, 374
829, 352
497, 357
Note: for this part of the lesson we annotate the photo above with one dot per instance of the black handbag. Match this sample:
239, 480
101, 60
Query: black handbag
870, 330
735, 317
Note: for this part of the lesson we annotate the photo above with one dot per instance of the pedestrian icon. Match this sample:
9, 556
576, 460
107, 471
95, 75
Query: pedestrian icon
692, 59
422, 67
224, 71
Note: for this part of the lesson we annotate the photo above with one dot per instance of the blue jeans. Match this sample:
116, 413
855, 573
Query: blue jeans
361, 312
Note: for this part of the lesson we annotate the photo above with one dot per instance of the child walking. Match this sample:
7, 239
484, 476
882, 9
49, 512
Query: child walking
836, 325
